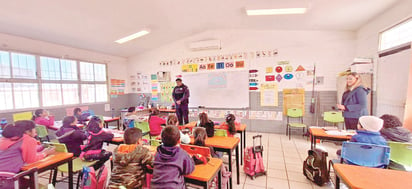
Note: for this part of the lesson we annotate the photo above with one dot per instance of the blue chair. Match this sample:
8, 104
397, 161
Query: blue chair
128, 123
368, 155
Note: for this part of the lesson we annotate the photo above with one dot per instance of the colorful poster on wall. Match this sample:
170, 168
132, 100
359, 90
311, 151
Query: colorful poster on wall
211, 66
269, 94
154, 87
220, 65
166, 90
217, 80
117, 87
240, 64
253, 80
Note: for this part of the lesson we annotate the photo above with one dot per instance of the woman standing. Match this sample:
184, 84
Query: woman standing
354, 101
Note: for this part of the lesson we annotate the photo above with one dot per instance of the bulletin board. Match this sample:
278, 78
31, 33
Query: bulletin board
293, 98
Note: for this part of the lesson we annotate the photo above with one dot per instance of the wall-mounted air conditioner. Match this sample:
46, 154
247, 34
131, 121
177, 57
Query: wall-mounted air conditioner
205, 45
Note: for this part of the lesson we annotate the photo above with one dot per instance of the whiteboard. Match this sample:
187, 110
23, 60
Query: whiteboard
218, 89
392, 82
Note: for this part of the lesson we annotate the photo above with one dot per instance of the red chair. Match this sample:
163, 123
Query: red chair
193, 149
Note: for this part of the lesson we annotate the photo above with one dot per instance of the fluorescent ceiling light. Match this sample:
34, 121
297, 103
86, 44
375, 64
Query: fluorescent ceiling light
133, 36
258, 12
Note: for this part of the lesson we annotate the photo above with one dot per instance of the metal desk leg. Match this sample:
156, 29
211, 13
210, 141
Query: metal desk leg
337, 185
70, 163
54, 176
219, 180
242, 141
230, 168
237, 164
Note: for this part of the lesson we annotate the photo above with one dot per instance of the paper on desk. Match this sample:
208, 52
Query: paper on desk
339, 133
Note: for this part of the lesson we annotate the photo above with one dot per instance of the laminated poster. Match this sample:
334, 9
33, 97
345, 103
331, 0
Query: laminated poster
269, 94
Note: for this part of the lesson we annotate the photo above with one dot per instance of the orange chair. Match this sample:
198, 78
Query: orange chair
193, 149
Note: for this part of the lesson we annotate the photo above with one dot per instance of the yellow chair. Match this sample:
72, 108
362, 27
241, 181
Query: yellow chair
77, 162
22, 116
295, 113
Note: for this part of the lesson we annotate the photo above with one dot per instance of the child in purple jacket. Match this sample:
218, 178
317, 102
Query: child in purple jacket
71, 135
171, 162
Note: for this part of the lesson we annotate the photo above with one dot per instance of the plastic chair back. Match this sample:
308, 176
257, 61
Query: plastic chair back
333, 117
193, 149
11, 180
401, 153
294, 112
368, 155
144, 126
59, 147
22, 116
128, 123
155, 142
42, 132
91, 112
221, 132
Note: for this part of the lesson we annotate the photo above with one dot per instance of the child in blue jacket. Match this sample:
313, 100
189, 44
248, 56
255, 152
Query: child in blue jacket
368, 131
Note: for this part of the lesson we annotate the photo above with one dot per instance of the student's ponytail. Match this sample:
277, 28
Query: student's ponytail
230, 120
37, 114
200, 136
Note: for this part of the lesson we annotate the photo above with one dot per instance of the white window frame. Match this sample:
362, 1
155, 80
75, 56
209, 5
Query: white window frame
39, 81
404, 21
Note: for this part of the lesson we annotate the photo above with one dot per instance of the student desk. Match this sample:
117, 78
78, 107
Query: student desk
205, 173
225, 144
319, 133
241, 130
108, 120
52, 162
358, 177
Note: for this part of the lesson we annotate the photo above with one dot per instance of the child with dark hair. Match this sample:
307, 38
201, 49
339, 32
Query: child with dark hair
171, 162
77, 113
71, 135
130, 160
131, 113
42, 117
393, 129
206, 123
155, 122
173, 121
230, 125
93, 149
18, 146
200, 137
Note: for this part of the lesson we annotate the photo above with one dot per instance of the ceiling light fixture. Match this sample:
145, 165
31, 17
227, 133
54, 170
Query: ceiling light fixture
260, 12
133, 36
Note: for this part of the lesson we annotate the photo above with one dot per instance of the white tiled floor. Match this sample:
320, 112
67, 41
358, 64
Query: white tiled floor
283, 159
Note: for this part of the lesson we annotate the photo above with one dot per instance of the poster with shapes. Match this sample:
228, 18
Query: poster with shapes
166, 90
217, 80
269, 94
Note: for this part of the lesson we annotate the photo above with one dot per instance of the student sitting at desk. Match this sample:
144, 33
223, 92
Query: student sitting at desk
230, 125
200, 138
71, 135
131, 113
93, 149
368, 131
18, 146
171, 162
173, 121
42, 117
393, 130
77, 113
155, 122
130, 160
206, 123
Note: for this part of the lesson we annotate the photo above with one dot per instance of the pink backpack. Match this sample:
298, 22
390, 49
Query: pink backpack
253, 161
94, 180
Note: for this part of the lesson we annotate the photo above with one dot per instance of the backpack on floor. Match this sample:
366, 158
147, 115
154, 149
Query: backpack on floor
315, 166
253, 160
92, 179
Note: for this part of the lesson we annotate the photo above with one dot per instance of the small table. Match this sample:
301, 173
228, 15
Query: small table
108, 120
51, 162
359, 177
205, 173
319, 133
225, 144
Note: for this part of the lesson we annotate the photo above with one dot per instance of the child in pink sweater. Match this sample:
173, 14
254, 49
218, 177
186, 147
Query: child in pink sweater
155, 122
42, 117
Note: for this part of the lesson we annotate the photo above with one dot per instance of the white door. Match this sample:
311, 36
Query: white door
392, 83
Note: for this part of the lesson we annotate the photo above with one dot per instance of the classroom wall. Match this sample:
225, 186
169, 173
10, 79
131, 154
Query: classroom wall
117, 66
332, 51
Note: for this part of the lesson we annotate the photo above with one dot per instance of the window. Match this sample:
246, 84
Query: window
4, 65
23, 66
397, 35
29, 81
5, 96
52, 94
26, 95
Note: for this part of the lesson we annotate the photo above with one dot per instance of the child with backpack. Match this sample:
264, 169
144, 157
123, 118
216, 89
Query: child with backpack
171, 162
230, 125
206, 123
71, 135
93, 149
155, 122
130, 160
200, 136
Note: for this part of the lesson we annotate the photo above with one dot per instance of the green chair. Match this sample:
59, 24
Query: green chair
144, 126
221, 132
155, 142
296, 114
42, 133
333, 117
77, 162
401, 153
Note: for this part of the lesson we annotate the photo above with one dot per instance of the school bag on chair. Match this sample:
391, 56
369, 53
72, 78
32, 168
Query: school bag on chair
315, 166
92, 179
253, 162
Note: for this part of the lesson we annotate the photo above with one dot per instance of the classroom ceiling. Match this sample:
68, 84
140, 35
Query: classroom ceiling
96, 24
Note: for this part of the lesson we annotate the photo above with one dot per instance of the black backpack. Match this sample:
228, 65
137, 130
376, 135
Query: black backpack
315, 166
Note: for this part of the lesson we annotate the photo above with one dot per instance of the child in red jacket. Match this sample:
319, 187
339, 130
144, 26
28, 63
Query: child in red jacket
155, 122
